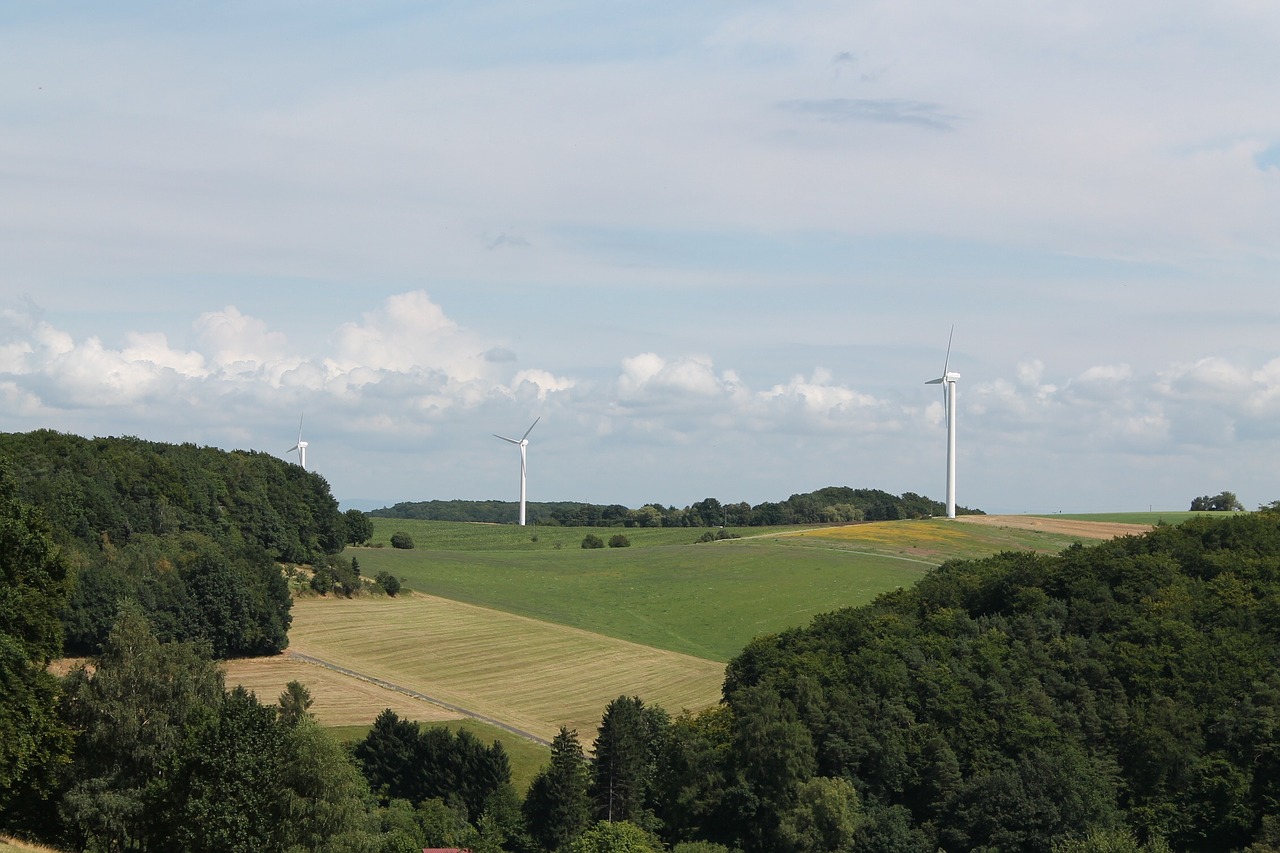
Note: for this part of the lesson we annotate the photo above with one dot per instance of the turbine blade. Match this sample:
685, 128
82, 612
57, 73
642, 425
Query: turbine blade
935, 381
947, 361
504, 438
531, 426
291, 449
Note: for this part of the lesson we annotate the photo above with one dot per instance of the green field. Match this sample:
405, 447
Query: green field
706, 600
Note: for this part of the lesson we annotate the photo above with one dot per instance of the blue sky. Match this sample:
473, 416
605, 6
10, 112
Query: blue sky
717, 247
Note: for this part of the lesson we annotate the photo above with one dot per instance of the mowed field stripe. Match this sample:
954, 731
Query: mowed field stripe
531, 675
337, 699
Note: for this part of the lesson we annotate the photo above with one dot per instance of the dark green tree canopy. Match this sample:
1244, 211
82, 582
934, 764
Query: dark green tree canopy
1221, 502
828, 505
1009, 702
114, 489
34, 742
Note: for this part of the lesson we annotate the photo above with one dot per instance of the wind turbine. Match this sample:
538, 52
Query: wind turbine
522, 443
948, 382
301, 446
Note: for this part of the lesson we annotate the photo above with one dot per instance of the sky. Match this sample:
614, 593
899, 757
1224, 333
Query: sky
717, 249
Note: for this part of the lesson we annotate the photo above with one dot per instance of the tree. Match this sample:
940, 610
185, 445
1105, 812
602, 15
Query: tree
592, 541
627, 747
1221, 502
34, 742
619, 540
824, 819
359, 527
401, 540
387, 756
390, 583
135, 710
325, 800
557, 807
294, 703
614, 837
227, 794
774, 754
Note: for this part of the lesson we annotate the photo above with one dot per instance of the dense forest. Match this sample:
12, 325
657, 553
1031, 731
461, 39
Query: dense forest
194, 535
830, 505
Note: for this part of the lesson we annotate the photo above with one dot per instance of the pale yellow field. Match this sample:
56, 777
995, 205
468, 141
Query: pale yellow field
532, 675
8, 844
339, 700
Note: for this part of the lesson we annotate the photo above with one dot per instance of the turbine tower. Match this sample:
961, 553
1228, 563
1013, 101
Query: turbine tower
522, 443
948, 382
301, 446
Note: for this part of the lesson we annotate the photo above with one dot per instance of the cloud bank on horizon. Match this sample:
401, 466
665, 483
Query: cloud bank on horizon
716, 249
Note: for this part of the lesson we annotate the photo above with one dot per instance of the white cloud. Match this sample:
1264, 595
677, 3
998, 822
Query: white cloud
239, 344
543, 380
410, 333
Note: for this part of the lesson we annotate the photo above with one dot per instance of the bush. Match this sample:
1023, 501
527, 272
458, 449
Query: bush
592, 541
400, 539
617, 540
322, 581
390, 583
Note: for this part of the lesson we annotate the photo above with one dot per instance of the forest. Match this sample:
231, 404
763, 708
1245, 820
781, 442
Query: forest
833, 504
193, 535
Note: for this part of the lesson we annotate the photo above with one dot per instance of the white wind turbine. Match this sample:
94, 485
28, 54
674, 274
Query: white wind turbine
301, 446
948, 382
522, 443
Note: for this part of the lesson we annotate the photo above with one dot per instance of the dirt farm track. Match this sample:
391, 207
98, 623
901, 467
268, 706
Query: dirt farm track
1064, 526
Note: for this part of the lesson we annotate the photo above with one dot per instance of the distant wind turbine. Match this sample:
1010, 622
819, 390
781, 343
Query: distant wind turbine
301, 446
522, 443
948, 382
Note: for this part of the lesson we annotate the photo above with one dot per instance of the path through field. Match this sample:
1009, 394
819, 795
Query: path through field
528, 675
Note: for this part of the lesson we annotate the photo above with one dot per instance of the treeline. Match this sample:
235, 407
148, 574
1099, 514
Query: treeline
194, 535
116, 489
833, 504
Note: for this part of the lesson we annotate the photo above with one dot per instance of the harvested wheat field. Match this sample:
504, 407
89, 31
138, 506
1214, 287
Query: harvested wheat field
339, 700
1061, 526
530, 675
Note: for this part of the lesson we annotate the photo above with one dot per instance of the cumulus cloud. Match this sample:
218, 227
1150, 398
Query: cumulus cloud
409, 333
236, 343
407, 344
543, 381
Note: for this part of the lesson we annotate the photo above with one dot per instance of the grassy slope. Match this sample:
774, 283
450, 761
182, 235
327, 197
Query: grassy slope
706, 600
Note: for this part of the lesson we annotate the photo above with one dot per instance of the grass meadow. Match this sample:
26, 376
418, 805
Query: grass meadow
706, 600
